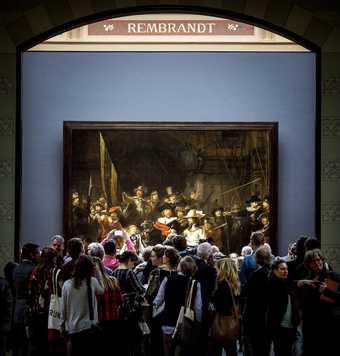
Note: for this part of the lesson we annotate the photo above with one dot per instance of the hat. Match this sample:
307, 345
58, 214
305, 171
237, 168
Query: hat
140, 187
193, 213
165, 206
253, 199
220, 208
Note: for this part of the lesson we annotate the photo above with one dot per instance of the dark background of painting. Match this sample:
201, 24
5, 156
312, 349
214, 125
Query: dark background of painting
252, 87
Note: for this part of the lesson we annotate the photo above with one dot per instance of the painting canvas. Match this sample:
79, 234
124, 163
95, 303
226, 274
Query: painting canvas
155, 181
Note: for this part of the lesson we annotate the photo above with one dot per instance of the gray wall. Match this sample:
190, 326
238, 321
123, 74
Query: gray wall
59, 87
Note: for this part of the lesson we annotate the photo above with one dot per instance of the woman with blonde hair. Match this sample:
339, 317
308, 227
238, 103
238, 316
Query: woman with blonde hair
224, 304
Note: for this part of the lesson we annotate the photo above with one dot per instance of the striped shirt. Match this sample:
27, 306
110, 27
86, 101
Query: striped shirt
128, 281
109, 304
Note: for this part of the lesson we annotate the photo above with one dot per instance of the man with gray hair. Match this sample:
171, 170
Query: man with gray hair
58, 244
206, 275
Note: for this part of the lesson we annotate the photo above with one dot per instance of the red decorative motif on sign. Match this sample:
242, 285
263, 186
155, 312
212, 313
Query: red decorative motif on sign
170, 28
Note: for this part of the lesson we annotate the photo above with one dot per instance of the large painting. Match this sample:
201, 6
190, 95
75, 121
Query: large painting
155, 181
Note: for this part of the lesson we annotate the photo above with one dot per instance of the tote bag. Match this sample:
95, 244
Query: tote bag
54, 312
225, 329
188, 329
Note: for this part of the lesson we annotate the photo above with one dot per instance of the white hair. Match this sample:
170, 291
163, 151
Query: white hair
96, 249
246, 251
204, 250
59, 238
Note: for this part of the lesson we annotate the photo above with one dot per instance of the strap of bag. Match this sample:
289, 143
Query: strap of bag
55, 274
89, 298
190, 292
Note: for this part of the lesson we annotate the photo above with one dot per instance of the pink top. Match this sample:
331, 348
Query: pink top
110, 262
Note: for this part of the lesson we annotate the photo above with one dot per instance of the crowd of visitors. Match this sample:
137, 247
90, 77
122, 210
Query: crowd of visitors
169, 300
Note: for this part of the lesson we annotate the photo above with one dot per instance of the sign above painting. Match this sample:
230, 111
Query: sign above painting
168, 32
173, 27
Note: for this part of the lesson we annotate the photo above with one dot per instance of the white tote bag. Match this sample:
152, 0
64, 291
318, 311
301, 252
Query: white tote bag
54, 313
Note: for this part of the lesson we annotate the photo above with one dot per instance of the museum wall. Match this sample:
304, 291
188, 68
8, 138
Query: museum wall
245, 87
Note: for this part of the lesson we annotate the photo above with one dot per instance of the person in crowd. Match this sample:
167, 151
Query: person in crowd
249, 264
133, 297
180, 244
294, 265
122, 241
283, 312
164, 265
110, 260
330, 293
144, 268
254, 317
310, 244
224, 299
315, 311
58, 243
6, 309
157, 274
78, 297
172, 293
291, 252
216, 253
21, 277
96, 249
40, 288
109, 305
75, 248
205, 274
246, 251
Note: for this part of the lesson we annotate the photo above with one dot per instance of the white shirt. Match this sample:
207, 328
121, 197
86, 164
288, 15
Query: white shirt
75, 306
193, 235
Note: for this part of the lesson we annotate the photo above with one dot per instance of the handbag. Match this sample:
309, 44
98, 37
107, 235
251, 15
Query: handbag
225, 329
54, 313
188, 329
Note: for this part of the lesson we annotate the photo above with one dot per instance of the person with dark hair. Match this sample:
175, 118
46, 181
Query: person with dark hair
132, 299
249, 264
21, 276
254, 317
180, 244
40, 287
173, 292
110, 260
78, 298
283, 312
315, 311
75, 248
295, 272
